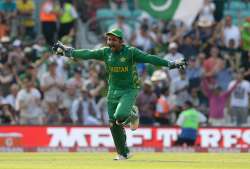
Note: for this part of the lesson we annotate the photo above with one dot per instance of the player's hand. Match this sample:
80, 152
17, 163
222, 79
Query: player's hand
179, 64
60, 49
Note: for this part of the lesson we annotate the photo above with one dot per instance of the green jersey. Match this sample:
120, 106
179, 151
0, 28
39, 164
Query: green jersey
121, 65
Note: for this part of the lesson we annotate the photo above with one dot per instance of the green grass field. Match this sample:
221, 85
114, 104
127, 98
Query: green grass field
138, 161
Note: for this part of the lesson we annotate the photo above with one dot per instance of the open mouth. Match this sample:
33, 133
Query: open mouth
112, 46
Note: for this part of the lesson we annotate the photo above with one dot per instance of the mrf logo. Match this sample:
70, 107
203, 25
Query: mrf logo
146, 137
78, 137
92, 137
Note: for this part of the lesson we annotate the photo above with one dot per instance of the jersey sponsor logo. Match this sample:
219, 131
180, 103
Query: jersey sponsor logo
122, 59
118, 69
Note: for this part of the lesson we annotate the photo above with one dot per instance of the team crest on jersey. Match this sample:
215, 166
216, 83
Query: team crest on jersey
122, 59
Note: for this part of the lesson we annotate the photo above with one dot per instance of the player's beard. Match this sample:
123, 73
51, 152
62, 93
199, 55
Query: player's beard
112, 46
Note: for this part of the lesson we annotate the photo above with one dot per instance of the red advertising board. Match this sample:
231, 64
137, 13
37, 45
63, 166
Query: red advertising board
100, 137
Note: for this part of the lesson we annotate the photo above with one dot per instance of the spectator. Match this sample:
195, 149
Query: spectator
245, 35
77, 81
189, 121
203, 34
173, 33
194, 72
39, 46
69, 96
5, 49
194, 97
68, 16
229, 32
144, 19
69, 38
239, 100
8, 7
142, 39
224, 75
146, 101
25, 10
61, 66
49, 16
28, 103
245, 66
95, 85
7, 114
163, 108
4, 27
217, 101
17, 56
179, 87
232, 55
187, 48
84, 109
212, 64
41, 64
173, 55
11, 98
207, 11
201, 57
32, 71
157, 38
120, 23
6, 78
65, 115
52, 86
160, 80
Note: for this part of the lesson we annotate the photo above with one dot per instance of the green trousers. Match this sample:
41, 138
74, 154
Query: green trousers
120, 103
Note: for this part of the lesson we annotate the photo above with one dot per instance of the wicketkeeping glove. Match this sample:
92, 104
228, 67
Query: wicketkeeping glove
60, 49
179, 64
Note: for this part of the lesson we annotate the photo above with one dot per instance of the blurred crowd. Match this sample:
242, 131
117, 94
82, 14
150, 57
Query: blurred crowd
37, 87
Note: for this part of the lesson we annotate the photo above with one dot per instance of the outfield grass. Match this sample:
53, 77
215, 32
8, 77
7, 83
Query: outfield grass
139, 161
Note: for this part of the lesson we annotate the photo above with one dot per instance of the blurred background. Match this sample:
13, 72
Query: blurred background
39, 88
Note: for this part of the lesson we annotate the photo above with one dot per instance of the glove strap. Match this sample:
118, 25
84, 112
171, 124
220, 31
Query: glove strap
69, 52
172, 65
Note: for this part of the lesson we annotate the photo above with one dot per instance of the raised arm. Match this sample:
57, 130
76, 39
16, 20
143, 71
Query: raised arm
142, 57
61, 49
228, 92
97, 54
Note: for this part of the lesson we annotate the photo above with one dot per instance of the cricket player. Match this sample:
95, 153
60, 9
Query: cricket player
123, 81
